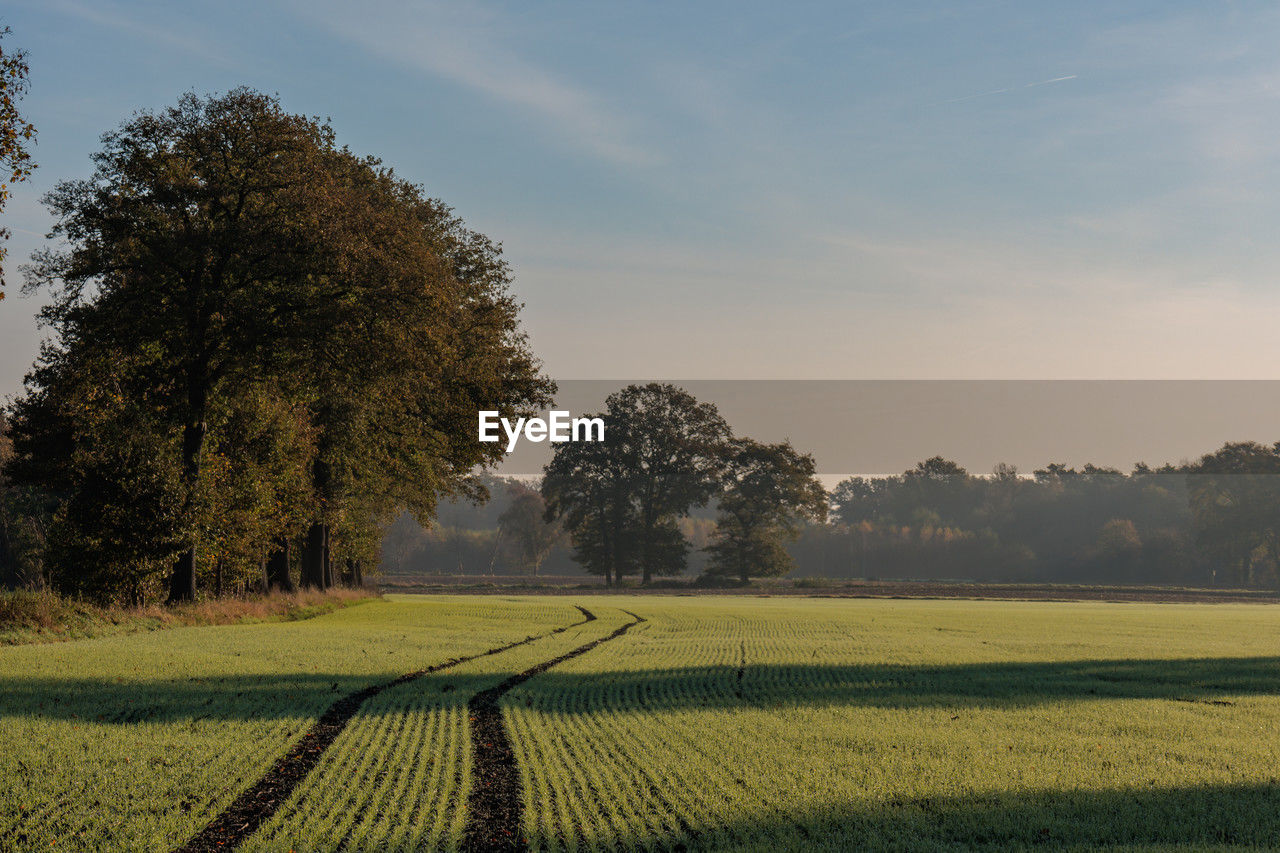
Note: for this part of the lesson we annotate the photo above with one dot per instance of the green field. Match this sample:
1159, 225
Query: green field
717, 723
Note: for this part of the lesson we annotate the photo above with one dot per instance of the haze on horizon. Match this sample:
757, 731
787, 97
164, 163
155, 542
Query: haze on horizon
949, 190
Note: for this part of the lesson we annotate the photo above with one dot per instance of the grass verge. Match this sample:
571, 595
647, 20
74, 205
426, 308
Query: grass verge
42, 617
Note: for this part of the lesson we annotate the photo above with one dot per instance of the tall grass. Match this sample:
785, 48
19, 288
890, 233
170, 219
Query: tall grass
29, 617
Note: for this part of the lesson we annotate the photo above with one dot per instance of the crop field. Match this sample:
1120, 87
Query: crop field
655, 722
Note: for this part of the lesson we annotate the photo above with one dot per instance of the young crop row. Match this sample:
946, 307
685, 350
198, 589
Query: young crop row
727, 723
773, 725
136, 742
398, 776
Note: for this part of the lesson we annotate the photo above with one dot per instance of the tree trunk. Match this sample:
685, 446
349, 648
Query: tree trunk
182, 583
217, 578
278, 566
359, 575
327, 560
644, 559
312, 574
8, 560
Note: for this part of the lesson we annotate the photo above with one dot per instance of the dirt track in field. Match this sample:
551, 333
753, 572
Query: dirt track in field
495, 809
256, 805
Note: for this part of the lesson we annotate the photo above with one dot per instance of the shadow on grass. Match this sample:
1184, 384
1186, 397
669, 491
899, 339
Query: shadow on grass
994, 685
1154, 817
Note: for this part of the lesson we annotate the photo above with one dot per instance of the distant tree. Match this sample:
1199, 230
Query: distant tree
525, 529
1002, 490
769, 489
936, 520
586, 488
670, 449
620, 498
854, 500
1234, 495
16, 133
1119, 539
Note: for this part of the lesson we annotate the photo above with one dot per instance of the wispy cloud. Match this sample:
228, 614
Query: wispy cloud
112, 17
465, 46
1005, 90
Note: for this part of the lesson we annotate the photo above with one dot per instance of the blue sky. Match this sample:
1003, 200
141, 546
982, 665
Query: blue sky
735, 190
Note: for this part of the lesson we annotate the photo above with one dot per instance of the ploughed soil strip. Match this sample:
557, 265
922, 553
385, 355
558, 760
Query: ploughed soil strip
256, 805
494, 810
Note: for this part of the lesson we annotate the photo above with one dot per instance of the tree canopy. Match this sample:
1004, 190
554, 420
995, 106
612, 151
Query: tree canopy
621, 498
299, 337
768, 491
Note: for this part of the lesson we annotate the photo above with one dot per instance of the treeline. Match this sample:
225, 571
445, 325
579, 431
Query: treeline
1215, 522
672, 492
627, 505
938, 521
264, 348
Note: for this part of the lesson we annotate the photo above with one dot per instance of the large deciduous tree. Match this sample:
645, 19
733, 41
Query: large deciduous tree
305, 336
620, 498
669, 446
769, 489
197, 240
425, 332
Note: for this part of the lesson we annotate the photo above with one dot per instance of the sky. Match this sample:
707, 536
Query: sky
765, 191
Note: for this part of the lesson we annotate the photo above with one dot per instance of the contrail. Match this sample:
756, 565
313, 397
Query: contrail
1051, 80
1004, 91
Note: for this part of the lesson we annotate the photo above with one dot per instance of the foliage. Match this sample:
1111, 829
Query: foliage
254, 483
669, 447
301, 337
469, 538
621, 498
530, 538
1062, 524
768, 490
16, 133
585, 487
196, 244
1234, 494
24, 522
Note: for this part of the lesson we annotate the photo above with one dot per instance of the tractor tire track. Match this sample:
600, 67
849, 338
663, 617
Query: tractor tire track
259, 803
495, 811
